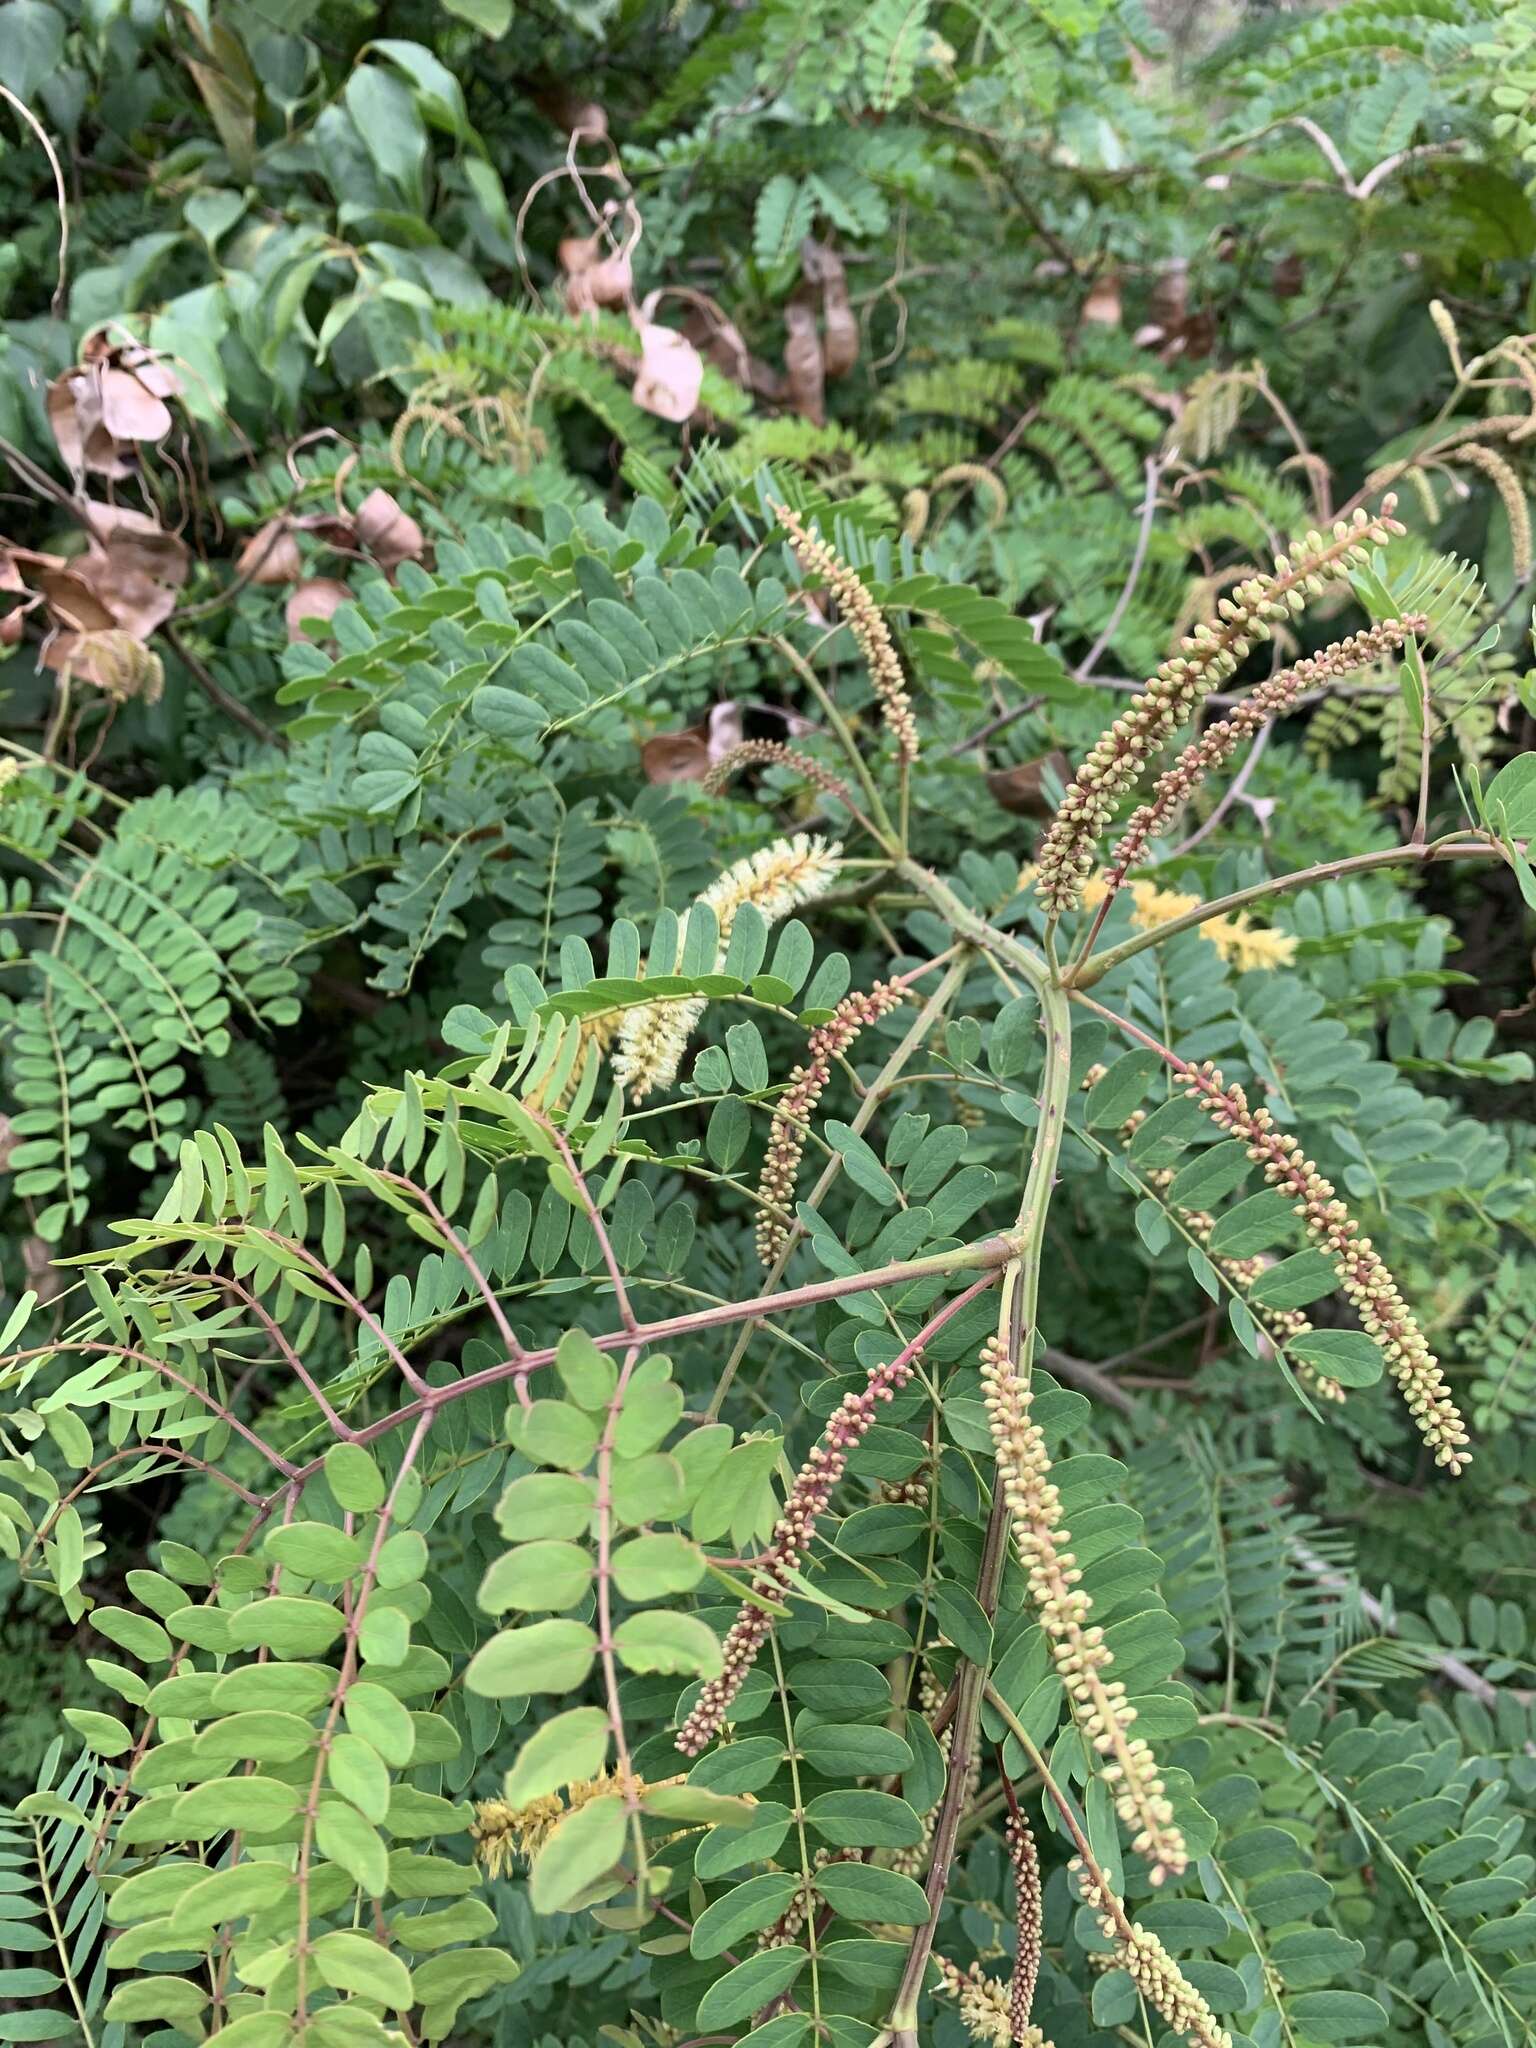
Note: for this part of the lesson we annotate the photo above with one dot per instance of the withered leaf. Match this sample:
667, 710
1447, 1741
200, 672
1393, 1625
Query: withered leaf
389, 534
840, 329
804, 365
1102, 307
316, 599
720, 342
671, 374
689, 755
1021, 789
133, 567
676, 756
271, 555
594, 279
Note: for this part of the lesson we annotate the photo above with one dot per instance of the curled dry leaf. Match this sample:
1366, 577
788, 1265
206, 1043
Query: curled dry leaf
676, 756
271, 555
568, 110
1102, 307
389, 534
689, 755
8, 1143
12, 625
1288, 277
113, 660
134, 567
316, 599
112, 400
38, 1270
720, 342
596, 275
840, 330
804, 364
1021, 789
671, 374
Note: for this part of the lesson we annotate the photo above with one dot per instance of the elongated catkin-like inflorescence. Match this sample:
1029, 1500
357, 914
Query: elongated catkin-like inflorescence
774, 754
1150, 1967
1027, 1923
865, 622
1206, 658
775, 880
1279, 1326
1220, 741
1363, 1274
1078, 1648
786, 1136
807, 1502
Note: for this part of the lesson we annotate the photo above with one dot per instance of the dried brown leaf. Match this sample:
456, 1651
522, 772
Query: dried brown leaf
133, 567
389, 534
74, 414
1021, 789
1102, 306
271, 555
840, 329
676, 756
316, 599
671, 374
594, 278
130, 411
804, 365
720, 342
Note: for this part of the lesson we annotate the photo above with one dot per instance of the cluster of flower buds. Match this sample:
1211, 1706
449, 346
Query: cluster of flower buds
786, 1136
1206, 659
1363, 1273
1081, 1655
982, 2002
807, 1502
865, 621
1150, 1967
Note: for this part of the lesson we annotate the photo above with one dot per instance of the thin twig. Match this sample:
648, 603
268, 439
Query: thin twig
26, 114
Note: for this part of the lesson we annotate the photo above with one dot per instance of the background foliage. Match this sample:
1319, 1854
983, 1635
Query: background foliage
487, 339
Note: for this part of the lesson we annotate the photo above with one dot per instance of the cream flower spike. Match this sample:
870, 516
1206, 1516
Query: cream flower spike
775, 880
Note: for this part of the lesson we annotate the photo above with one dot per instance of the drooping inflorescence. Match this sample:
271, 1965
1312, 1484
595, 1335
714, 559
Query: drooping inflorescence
786, 1136
807, 1502
775, 880
1363, 1274
774, 754
1221, 740
865, 621
1081, 1655
1207, 657
1150, 1967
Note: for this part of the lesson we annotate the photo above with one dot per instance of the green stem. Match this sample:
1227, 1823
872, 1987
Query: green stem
1017, 1327
1090, 971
